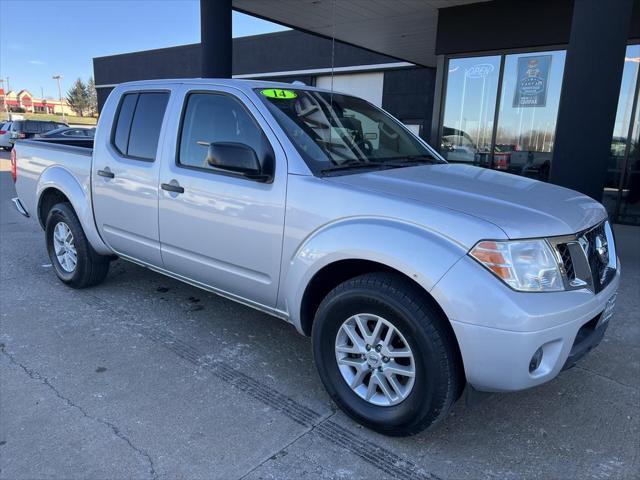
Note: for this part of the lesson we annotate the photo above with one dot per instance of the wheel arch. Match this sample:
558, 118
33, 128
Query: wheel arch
354, 246
333, 274
58, 184
48, 198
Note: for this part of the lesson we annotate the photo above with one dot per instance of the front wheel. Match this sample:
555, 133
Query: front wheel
385, 354
74, 260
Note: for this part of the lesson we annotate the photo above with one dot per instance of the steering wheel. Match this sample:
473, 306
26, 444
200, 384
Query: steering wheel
366, 146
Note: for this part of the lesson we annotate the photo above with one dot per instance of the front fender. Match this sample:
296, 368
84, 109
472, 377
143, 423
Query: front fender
79, 195
421, 254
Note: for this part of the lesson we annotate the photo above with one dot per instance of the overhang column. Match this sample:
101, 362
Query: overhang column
216, 38
590, 90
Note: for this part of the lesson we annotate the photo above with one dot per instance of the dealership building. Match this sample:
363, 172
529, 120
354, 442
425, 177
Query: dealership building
546, 89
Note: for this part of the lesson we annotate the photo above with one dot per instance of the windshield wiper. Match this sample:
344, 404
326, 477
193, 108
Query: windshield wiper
389, 162
353, 166
409, 159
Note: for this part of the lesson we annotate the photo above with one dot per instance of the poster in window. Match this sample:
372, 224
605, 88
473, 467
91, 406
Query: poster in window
532, 81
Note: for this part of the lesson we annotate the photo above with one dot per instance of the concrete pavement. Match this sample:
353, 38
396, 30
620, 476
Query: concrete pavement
145, 377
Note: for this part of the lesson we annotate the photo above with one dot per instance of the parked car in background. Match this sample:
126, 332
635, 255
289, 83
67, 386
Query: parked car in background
528, 163
69, 132
457, 146
5, 134
25, 129
413, 276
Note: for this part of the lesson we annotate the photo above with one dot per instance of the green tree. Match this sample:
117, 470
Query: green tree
92, 96
78, 97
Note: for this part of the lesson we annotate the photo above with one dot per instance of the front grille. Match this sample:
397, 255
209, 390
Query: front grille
567, 261
601, 274
588, 258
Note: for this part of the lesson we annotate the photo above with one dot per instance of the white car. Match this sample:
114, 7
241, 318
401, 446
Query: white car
4, 136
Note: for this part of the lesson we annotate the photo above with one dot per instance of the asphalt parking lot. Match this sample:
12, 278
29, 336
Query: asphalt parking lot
145, 377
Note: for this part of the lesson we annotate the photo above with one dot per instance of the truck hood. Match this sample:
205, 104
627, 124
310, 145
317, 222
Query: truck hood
520, 206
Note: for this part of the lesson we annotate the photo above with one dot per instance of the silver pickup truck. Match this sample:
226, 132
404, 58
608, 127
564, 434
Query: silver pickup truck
414, 277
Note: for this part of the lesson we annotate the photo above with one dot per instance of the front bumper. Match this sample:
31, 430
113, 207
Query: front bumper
499, 330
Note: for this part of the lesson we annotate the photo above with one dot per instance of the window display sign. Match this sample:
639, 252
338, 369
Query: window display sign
532, 81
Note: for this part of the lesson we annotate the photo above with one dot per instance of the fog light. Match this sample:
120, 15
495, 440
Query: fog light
535, 360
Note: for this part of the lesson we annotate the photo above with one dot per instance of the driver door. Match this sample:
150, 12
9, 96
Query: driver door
217, 228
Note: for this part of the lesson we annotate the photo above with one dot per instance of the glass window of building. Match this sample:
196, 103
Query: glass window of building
469, 109
528, 111
622, 187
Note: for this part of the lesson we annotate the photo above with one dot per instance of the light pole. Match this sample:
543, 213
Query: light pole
58, 77
6, 105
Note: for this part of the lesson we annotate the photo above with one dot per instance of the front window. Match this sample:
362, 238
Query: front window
522, 92
528, 112
469, 109
335, 132
622, 187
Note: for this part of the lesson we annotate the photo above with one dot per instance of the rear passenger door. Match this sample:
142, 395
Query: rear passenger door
125, 176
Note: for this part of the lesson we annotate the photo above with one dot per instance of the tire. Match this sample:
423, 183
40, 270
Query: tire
90, 268
438, 378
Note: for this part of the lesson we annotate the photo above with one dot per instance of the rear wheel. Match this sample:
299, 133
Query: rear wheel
385, 355
74, 260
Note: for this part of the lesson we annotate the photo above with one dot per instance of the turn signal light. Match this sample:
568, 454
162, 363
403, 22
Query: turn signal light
491, 257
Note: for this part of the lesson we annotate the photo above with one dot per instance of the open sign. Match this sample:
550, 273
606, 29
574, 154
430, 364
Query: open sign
480, 70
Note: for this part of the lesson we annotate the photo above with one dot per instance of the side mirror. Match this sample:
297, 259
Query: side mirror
235, 158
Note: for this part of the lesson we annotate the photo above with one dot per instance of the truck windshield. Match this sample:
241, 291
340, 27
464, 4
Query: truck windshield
340, 133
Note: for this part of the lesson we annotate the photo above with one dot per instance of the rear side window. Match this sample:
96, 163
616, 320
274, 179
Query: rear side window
138, 123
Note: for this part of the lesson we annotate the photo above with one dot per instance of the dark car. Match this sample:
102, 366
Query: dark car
70, 132
21, 129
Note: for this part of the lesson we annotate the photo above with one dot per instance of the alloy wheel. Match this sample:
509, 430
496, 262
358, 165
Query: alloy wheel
64, 247
375, 359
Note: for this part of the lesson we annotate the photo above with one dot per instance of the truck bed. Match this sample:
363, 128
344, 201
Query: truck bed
52, 158
71, 142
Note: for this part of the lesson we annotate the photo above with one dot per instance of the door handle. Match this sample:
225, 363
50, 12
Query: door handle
170, 187
106, 173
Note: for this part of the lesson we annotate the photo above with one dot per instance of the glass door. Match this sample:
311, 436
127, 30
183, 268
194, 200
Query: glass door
469, 109
622, 188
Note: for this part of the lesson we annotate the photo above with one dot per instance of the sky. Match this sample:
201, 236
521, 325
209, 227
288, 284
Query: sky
42, 38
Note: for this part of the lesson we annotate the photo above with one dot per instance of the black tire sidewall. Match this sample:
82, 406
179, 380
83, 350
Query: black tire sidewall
423, 400
62, 212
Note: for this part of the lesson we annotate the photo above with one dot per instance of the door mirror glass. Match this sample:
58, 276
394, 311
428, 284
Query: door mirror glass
234, 157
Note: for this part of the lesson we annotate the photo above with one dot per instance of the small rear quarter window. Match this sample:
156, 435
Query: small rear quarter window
123, 122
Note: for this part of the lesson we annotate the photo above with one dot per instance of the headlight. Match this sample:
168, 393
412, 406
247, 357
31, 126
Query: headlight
525, 265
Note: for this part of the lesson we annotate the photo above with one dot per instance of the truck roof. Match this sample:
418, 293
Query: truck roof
242, 84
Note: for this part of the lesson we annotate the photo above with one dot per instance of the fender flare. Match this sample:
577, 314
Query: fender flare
421, 254
59, 178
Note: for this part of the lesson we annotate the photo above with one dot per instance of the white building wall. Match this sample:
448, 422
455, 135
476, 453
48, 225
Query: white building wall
364, 85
